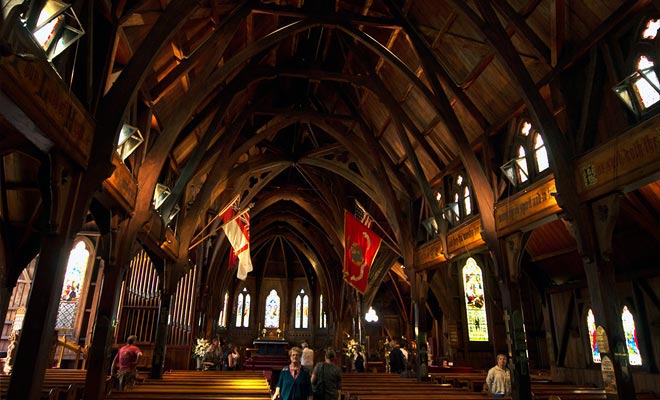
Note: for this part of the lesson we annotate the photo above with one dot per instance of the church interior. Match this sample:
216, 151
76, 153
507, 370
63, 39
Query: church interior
467, 178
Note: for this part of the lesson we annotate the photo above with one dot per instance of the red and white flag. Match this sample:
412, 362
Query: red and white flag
360, 248
237, 230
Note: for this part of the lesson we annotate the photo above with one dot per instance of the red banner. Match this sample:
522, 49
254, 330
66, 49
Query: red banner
360, 248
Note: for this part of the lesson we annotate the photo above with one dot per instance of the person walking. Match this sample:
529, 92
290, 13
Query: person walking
326, 378
307, 359
397, 361
124, 365
498, 380
295, 381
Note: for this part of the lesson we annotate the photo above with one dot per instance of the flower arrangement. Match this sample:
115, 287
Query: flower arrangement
350, 346
200, 348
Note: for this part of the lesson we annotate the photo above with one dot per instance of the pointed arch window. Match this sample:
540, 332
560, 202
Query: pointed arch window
593, 340
467, 201
461, 205
73, 283
640, 91
529, 157
540, 154
323, 319
475, 302
302, 310
222, 319
646, 93
243, 309
630, 333
272, 317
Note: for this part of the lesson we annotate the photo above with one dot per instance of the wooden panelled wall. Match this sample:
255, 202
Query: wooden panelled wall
19, 297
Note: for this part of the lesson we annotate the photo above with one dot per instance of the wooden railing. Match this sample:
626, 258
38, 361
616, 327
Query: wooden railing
79, 351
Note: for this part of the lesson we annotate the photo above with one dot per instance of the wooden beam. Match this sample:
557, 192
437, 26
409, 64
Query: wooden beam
526, 33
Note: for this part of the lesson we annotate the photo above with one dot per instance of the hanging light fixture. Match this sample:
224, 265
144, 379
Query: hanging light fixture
371, 315
639, 91
160, 195
130, 138
57, 28
514, 171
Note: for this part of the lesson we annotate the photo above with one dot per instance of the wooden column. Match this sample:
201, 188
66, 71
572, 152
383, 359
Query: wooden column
421, 324
514, 318
59, 196
37, 334
605, 303
160, 343
100, 349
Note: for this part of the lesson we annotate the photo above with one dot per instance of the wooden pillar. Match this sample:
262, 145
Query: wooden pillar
37, 334
421, 324
59, 186
160, 342
514, 318
100, 349
605, 303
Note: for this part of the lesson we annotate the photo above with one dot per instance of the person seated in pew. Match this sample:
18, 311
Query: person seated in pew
498, 380
213, 356
230, 358
124, 365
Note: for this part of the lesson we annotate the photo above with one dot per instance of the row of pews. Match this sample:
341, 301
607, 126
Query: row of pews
196, 385
253, 385
59, 384
542, 386
382, 386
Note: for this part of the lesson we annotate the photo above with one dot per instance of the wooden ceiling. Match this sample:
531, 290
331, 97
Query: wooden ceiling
303, 107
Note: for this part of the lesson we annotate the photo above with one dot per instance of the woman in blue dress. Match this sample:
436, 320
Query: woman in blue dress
295, 382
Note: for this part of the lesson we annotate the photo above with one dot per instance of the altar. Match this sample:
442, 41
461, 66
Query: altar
268, 346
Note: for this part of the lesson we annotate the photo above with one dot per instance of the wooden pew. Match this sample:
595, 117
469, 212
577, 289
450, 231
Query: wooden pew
199, 385
58, 384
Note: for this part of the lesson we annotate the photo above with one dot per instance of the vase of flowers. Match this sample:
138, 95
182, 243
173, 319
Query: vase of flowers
199, 350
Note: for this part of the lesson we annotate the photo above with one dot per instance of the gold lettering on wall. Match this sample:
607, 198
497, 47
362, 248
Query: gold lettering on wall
466, 237
523, 208
620, 162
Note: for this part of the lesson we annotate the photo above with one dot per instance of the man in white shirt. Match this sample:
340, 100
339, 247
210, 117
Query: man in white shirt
498, 380
307, 359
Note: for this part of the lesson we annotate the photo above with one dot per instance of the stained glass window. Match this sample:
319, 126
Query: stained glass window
246, 311
302, 310
73, 280
593, 341
634, 356
475, 302
323, 323
222, 320
305, 313
272, 317
243, 309
239, 310
298, 312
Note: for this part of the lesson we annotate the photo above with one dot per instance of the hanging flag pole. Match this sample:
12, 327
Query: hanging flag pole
217, 228
367, 220
224, 210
